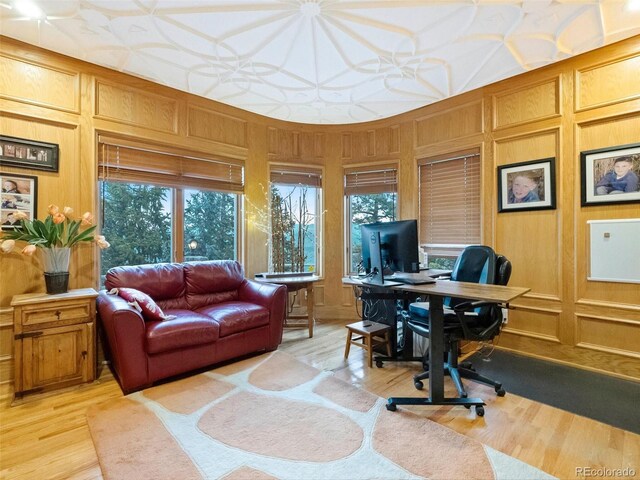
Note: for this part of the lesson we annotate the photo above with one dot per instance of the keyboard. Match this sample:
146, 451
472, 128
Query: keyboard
412, 278
386, 284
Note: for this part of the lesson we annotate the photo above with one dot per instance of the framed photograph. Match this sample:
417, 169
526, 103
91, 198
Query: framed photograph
17, 152
19, 193
527, 186
610, 175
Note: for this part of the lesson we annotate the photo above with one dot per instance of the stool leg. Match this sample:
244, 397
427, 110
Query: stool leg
348, 347
369, 349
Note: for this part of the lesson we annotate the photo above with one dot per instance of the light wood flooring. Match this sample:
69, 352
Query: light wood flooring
48, 438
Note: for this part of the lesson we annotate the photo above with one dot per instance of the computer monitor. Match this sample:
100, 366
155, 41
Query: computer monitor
398, 245
376, 273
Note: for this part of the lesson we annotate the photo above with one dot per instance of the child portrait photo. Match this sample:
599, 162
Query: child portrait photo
611, 175
527, 185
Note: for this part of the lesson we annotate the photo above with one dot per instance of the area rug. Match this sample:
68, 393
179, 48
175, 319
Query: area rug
274, 417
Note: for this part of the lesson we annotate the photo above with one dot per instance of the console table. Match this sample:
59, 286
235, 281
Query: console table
54, 340
293, 284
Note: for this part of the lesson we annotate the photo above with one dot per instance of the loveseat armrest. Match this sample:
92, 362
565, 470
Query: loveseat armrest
126, 335
271, 296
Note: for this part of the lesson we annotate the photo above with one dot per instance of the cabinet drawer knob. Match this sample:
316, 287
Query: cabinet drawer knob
58, 313
84, 354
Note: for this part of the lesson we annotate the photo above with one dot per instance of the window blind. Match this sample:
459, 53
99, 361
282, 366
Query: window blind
450, 204
368, 180
294, 175
120, 159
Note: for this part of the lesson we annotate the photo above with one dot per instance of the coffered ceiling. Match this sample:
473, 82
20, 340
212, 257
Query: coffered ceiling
321, 61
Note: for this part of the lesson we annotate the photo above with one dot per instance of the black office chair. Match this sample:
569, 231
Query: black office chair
465, 320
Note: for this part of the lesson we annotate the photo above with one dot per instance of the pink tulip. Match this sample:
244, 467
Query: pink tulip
101, 242
87, 219
29, 250
59, 218
53, 209
7, 246
68, 211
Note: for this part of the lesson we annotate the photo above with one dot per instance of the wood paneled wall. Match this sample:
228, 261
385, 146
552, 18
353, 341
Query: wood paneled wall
586, 102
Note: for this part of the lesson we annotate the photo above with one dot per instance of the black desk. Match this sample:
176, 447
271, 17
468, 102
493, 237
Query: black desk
437, 292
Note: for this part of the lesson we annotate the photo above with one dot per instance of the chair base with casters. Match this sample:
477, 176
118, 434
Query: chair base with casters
457, 371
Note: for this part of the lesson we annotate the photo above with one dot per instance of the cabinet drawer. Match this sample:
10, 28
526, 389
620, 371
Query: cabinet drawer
61, 314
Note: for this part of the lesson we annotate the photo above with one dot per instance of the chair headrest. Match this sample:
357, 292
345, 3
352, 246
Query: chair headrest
503, 270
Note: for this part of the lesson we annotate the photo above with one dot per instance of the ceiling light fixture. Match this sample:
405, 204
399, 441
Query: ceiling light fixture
29, 9
633, 5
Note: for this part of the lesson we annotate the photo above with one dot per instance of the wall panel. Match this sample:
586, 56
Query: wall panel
536, 102
454, 123
22, 81
603, 132
535, 323
135, 107
526, 237
211, 125
604, 84
610, 335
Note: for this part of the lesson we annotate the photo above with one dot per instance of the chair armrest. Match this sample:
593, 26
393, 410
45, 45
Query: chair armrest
271, 296
466, 314
126, 336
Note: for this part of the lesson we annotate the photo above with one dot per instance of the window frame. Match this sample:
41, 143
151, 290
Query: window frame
363, 167
449, 251
177, 223
319, 214
177, 169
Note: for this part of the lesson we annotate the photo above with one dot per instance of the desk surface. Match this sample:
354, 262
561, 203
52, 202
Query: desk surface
448, 288
298, 279
471, 291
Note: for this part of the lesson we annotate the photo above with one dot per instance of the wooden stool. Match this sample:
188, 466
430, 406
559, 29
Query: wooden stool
371, 334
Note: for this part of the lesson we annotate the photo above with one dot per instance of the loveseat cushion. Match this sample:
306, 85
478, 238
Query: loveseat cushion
186, 330
164, 282
212, 282
234, 317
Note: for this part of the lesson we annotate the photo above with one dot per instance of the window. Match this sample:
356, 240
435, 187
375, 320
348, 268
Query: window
136, 219
210, 225
163, 206
449, 206
371, 196
295, 218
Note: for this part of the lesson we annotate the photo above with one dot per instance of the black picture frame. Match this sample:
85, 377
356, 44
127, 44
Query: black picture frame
22, 153
597, 166
17, 193
535, 182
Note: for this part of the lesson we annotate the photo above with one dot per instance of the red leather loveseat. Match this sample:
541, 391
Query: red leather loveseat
219, 315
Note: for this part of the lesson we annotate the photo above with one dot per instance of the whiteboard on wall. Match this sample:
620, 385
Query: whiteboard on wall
615, 250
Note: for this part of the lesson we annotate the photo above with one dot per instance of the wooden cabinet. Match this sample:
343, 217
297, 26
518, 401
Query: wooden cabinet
54, 340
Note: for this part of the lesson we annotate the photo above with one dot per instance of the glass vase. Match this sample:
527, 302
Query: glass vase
56, 259
56, 269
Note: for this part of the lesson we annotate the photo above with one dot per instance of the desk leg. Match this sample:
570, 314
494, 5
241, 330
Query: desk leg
436, 349
310, 302
436, 367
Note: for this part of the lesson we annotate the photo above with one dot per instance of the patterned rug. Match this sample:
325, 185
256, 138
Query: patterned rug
274, 417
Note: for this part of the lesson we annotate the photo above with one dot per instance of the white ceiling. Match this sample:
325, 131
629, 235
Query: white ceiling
322, 61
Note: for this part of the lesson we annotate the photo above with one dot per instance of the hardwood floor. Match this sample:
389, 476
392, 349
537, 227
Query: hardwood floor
48, 438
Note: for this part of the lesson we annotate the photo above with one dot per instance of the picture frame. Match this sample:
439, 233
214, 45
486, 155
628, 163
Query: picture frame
21, 153
529, 185
17, 193
599, 175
